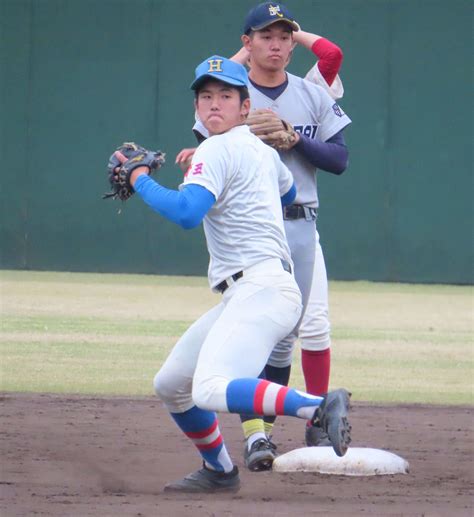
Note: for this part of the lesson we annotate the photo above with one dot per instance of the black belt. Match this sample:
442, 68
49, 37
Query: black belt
291, 212
224, 285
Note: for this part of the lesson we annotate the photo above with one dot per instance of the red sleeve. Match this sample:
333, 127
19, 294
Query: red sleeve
330, 58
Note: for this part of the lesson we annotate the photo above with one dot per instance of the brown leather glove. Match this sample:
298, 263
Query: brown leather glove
272, 130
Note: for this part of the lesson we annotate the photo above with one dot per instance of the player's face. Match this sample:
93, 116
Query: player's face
219, 107
271, 47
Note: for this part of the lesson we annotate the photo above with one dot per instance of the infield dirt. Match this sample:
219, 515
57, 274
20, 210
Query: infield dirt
81, 456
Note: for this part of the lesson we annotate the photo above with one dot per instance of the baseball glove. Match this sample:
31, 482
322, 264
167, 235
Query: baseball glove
271, 129
119, 173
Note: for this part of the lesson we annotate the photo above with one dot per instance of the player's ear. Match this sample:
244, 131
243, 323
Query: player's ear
246, 41
245, 108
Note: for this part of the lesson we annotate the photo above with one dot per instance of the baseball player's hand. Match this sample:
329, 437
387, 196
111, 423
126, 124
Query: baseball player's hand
272, 130
184, 157
125, 165
144, 169
242, 57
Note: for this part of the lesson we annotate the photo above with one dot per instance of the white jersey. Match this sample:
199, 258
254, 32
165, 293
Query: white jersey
312, 112
247, 178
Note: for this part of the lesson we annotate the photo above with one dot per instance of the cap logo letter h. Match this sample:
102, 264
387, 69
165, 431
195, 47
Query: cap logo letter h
215, 65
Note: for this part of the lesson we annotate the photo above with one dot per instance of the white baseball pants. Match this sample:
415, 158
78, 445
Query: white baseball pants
232, 340
310, 274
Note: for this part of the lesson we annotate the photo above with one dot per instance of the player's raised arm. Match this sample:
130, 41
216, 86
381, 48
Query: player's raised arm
325, 72
329, 55
242, 56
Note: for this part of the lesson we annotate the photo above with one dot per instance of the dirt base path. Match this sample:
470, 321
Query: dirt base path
78, 456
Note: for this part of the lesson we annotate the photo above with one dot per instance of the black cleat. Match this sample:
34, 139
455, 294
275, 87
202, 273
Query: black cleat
273, 446
331, 416
315, 436
207, 481
260, 456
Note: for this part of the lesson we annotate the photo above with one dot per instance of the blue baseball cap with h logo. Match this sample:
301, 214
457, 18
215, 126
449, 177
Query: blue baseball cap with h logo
221, 69
266, 14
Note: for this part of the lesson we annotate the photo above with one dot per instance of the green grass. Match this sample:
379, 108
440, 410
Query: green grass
108, 334
50, 326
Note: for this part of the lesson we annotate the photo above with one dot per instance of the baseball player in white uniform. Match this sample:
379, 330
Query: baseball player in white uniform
319, 121
236, 186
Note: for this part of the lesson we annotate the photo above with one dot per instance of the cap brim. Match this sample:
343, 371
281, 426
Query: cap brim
295, 27
221, 77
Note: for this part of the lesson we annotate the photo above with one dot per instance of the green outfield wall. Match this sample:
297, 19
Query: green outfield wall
79, 77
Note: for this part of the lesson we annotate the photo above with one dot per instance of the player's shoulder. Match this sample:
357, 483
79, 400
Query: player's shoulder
211, 150
213, 142
306, 86
222, 148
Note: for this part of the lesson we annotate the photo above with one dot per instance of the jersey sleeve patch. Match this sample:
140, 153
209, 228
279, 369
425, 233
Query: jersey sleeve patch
194, 169
337, 110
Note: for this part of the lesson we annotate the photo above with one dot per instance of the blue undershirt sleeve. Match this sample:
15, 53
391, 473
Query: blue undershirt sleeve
186, 207
330, 156
289, 197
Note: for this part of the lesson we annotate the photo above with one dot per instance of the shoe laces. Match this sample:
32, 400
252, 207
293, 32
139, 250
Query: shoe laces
261, 444
273, 445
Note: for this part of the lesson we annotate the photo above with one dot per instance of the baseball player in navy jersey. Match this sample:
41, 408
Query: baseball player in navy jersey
319, 121
236, 185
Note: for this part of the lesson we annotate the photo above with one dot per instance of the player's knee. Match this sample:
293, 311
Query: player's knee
174, 391
163, 387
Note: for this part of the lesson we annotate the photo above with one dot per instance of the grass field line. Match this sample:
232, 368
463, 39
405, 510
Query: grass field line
108, 334
14, 338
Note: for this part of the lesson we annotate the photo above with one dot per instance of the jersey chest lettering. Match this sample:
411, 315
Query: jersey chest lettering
308, 130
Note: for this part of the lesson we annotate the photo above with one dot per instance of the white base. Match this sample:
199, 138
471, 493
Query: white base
358, 461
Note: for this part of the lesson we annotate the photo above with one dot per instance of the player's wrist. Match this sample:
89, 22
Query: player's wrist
297, 138
305, 39
139, 171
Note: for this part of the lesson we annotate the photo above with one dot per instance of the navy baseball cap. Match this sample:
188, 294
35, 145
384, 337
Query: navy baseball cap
222, 69
267, 13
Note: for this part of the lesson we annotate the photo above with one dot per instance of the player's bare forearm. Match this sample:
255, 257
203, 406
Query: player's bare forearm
242, 56
305, 39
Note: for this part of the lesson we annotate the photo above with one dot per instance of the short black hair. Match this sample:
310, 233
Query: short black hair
243, 90
244, 93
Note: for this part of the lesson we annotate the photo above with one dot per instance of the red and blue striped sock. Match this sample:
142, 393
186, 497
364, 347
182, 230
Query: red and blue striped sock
202, 428
261, 397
